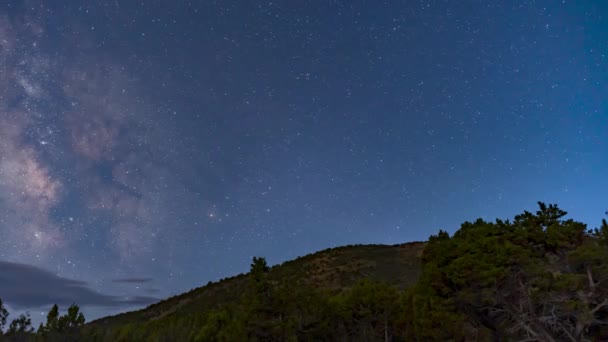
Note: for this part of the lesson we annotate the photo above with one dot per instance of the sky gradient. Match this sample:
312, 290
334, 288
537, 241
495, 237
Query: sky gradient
147, 148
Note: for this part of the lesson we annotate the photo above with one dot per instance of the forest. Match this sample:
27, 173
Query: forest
537, 277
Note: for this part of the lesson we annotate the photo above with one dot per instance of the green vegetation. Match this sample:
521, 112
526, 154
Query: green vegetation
539, 277
57, 328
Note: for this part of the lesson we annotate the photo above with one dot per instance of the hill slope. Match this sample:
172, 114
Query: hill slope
331, 269
537, 277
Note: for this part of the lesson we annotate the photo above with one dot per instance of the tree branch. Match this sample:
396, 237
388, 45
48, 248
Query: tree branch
599, 306
590, 277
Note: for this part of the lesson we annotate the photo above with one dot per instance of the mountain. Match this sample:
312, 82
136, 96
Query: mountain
332, 269
538, 277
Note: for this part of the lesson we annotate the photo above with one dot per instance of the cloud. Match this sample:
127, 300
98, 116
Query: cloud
152, 290
25, 286
133, 280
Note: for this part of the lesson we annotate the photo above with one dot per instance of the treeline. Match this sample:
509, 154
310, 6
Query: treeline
56, 328
539, 277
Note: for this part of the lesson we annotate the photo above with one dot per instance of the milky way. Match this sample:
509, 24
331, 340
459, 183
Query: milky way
148, 149
75, 148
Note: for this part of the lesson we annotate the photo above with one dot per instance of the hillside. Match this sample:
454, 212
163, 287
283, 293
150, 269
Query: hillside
332, 269
538, 277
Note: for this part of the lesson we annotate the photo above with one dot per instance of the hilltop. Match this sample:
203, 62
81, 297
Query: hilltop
333, 269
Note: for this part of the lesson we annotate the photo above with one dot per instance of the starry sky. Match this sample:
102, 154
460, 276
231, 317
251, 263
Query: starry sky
148, 147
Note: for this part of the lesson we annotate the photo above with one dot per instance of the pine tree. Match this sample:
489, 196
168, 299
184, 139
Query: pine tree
21, 326
73, 319
52, 321
3, 316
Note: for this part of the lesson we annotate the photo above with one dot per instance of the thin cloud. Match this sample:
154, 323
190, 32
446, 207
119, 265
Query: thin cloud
152, 290
133, 280
25, 286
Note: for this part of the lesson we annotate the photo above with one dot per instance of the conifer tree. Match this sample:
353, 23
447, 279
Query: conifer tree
3, 316
20, 327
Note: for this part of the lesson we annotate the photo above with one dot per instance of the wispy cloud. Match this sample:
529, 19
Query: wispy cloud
24, 286
133, 280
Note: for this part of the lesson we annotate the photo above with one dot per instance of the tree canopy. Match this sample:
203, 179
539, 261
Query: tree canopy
540, 277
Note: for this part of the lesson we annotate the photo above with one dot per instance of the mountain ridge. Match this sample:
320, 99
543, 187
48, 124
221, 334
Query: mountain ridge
331, 269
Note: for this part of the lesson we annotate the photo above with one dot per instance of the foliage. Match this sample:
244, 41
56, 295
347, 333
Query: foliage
20, 328
52, 322
57, 328
3, 316
72, 320
539, 277
272, 310
64, 327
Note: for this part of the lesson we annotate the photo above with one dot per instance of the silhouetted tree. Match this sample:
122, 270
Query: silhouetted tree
67, 323
3, 316
52, 321
259, 268
73, 319
20, 327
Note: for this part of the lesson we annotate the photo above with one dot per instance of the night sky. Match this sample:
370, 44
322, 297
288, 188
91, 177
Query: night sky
146, 148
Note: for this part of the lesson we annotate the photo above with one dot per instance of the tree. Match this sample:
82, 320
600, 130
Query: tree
539, 277
368, 310
3, 317
257, 302
52, 322
72, 320
260, 289
222, 325
20, 326
259, 268
67, 323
